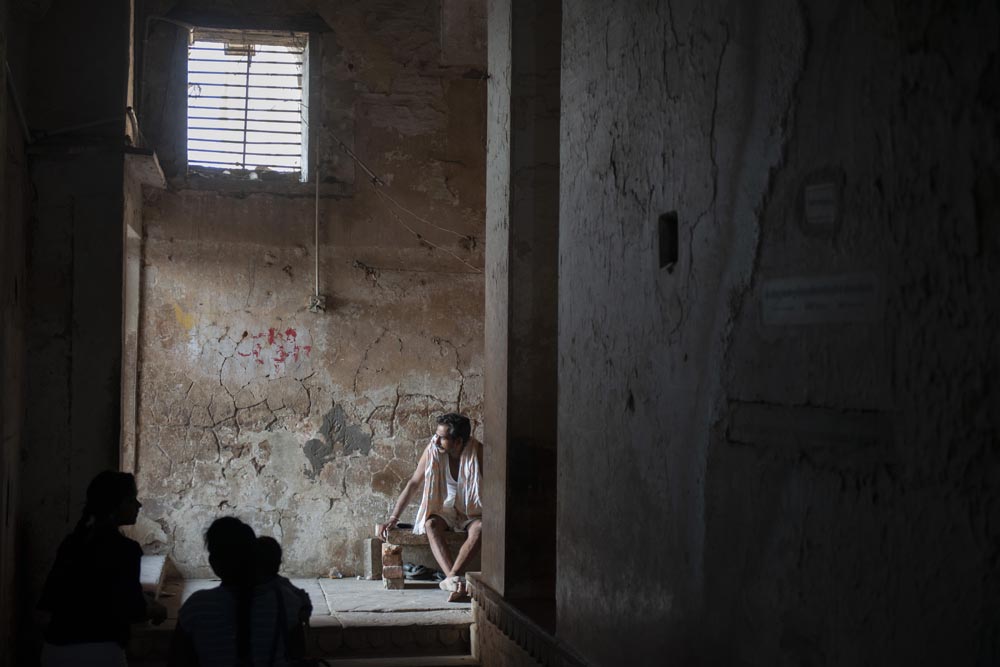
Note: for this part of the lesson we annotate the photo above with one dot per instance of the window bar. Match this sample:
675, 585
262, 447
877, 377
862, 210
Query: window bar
191, 71
263, 48
230, 85
224, 129
246, 106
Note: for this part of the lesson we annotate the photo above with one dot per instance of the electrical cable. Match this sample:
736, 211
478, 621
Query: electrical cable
378, 185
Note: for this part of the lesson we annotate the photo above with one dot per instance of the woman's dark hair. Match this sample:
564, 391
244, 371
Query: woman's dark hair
105, 494
458, 425
230, 544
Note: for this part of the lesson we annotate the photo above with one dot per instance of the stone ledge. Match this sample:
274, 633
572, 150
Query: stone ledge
490, 606
407, 537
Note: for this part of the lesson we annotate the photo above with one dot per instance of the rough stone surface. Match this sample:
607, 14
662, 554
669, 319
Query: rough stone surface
856, 526
495, 649
307, 425
392, 571
381, 624
399, 537
373, 558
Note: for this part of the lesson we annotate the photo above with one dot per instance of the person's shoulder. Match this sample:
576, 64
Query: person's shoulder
203, 599
293, 592
128, 543
286, 584
205, 596
475, 447
207, 603
123, 547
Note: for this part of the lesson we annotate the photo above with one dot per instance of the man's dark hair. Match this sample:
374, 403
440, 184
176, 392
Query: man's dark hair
458, 425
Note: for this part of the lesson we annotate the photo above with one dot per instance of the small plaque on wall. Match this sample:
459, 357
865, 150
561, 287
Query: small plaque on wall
821, 206
844, 298
821, 203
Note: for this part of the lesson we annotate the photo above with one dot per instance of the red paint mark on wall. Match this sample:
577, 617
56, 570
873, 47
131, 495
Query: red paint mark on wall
276, 346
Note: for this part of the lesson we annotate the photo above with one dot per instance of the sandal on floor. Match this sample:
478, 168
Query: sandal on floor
416, 572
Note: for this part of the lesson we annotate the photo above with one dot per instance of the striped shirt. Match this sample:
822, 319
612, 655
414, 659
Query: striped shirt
209, 619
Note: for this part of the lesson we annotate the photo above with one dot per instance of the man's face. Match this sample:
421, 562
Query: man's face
446, 442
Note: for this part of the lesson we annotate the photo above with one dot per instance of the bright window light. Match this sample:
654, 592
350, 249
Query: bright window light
246, 106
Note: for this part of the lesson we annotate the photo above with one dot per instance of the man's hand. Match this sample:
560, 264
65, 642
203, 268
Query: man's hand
384, 528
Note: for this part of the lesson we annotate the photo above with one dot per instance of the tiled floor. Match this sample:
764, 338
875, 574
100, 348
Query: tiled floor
343, 597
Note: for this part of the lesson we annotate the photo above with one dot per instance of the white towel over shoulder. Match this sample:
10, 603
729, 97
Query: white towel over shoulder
467, 502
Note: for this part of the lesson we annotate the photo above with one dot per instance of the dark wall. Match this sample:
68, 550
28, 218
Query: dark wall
782, 448
13, 279
77, 86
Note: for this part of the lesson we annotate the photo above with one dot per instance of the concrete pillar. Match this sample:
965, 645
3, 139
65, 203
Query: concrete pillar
76, 108
521, 297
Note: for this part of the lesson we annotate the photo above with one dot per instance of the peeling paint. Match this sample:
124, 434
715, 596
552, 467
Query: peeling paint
305, 423
185, 320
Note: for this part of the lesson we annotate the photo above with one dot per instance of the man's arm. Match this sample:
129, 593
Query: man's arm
415, 482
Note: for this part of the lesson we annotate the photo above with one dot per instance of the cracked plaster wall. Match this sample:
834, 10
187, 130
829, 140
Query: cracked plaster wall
308, 425
796, 494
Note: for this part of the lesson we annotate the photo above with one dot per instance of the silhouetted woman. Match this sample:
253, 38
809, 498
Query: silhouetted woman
243, 621
93, 591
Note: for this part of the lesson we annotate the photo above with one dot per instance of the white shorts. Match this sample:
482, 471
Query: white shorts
94, 654
455, 523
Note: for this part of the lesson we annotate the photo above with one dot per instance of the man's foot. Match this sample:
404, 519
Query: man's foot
452, 584
459, 596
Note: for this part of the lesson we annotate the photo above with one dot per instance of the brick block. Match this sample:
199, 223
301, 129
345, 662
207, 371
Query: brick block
373, 558
392, 559
394, 584
391, 549
392, 571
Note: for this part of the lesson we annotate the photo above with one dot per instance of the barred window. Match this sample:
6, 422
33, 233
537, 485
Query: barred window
247, 102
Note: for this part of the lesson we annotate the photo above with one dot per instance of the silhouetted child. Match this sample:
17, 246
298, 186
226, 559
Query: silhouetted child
99, 566
268, 560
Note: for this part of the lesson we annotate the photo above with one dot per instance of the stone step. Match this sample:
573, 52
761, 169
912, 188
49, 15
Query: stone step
422, 661
352, 620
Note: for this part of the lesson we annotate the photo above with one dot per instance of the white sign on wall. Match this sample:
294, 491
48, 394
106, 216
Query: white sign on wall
821, 299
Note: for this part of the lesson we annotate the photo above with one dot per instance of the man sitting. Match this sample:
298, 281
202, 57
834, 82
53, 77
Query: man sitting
449, 471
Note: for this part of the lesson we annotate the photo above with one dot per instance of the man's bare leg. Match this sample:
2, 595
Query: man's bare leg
435, 528
469, 549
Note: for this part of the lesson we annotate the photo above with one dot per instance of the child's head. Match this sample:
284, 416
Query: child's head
267, 553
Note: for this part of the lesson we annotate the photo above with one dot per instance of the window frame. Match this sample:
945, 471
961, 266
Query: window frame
234, 176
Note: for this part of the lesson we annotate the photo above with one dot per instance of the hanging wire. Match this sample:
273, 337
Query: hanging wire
379, 185
423, 240
384, 195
